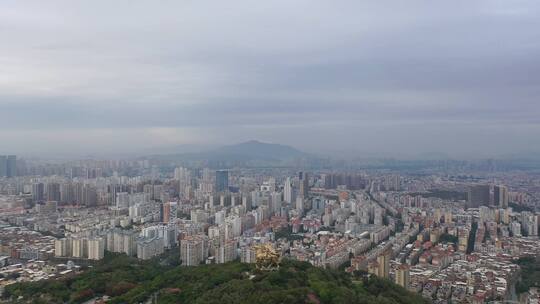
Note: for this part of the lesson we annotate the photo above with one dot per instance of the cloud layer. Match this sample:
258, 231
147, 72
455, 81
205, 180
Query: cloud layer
399, 78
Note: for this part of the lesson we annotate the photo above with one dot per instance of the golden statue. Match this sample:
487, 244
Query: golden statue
266, 257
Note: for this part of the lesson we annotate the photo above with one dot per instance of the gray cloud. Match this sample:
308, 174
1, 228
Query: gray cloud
360, 76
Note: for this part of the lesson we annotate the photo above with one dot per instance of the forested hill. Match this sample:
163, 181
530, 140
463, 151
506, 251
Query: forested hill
127, 280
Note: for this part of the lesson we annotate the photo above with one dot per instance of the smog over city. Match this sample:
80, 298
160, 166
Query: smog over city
456, 78
270, 151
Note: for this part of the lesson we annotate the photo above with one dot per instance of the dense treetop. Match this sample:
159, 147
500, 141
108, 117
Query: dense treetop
127, 280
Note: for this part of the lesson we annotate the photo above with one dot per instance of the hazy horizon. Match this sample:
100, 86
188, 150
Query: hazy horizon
418, 77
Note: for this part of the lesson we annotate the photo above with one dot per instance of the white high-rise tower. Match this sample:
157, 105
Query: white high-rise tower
288, 191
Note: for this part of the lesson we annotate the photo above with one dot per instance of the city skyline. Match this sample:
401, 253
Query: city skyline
270, 152
457, 78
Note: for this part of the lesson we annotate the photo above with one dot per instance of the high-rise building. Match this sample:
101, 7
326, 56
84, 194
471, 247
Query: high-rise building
515, 227
384, 264
463, 239
478, 195
403, 276
206, 175
3, 166
11, 166
89, 196
300, 205
373, 268
193, 250
529, 223
53, 192
247, 255
170, 212
500, 196
222, 180
227, 252
288, 194
122, 200
62, 247
304, 184
47, 207
79, 247
392, 183
66, 193
122, 241
246, 203
275, 202
96, 248
38, 192
148, 247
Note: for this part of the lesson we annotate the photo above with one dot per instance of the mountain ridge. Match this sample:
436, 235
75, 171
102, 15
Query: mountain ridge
251, 150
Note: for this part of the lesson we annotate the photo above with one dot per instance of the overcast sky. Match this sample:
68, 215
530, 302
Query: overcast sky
358, 77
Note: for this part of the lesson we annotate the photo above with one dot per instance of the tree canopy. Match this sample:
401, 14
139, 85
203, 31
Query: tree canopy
127, 280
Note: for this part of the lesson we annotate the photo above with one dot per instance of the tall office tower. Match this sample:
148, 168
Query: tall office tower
11, 166
403, 276
53, 192
288, 191
222, 180
500, 196
304, 184
38, 192
478, 196
3, 166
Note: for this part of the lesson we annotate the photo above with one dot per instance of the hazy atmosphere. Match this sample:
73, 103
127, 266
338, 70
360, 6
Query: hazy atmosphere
402, 78
240, 152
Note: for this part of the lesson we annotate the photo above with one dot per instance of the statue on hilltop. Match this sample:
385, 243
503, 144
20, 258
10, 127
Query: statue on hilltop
266, 257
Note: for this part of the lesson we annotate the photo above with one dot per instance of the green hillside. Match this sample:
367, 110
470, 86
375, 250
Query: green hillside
127, 280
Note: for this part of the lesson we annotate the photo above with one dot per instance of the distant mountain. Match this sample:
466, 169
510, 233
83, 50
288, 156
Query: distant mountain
252, 150
258, 150
433, 156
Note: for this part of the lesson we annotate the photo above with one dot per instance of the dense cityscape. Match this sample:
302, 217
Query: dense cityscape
269, 152
451, 236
